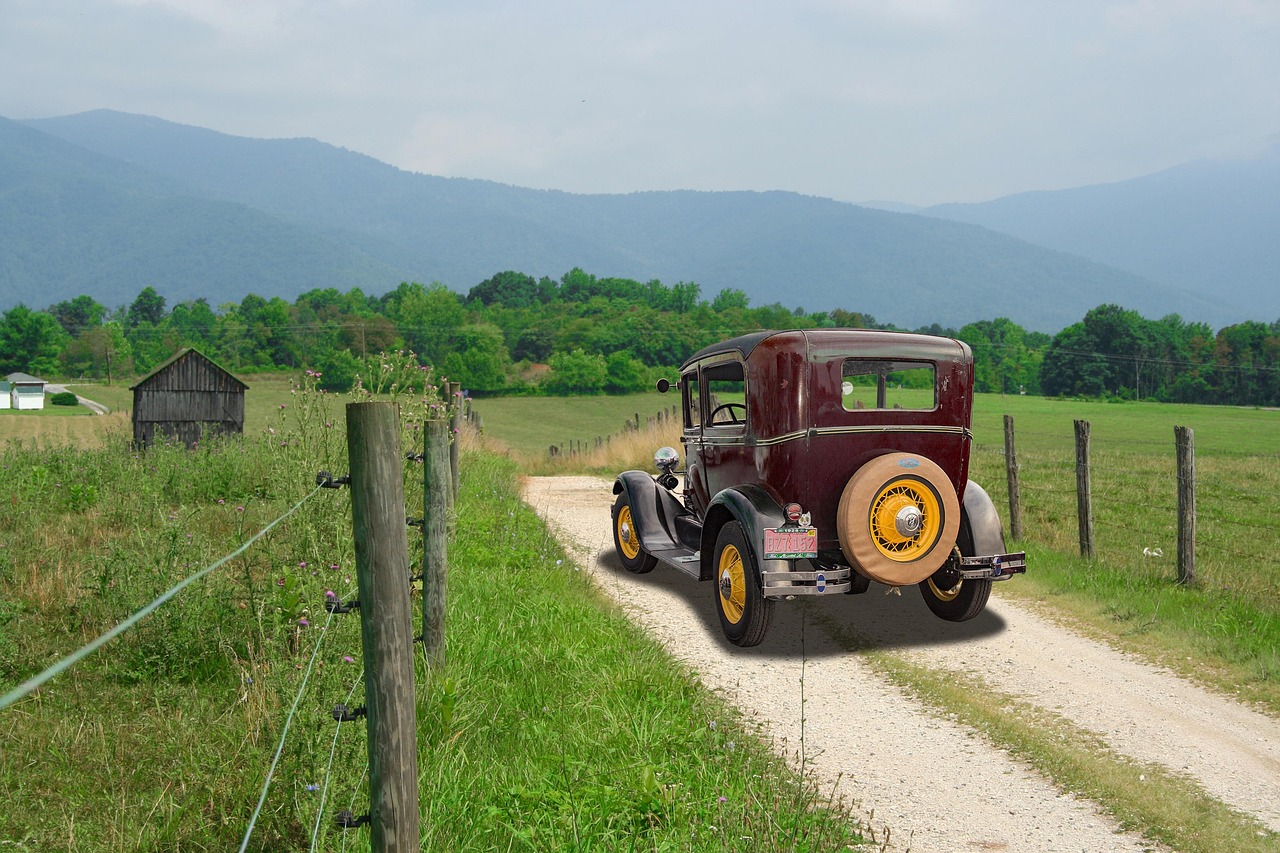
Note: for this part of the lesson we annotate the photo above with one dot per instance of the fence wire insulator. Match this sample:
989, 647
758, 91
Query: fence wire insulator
325, 480
415, 457
347, 820
344, 714
337, 605
415, 522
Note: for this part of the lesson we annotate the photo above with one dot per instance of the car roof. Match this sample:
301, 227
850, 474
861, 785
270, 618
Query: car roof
915, 343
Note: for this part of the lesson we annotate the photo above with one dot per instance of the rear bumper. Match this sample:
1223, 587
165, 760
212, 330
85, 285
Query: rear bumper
825, 582
996, 567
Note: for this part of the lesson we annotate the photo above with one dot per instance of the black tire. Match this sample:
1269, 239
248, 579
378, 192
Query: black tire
626, 539
949, 597
743, 610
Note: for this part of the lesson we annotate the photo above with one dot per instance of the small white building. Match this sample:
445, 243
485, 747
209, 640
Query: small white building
25, 392
5, 391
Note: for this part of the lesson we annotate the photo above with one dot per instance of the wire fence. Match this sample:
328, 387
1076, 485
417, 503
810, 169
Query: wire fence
1135, 502
67, 662
33, 683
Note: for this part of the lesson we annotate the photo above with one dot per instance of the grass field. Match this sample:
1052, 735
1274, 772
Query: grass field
1224, 631
207, 686
555, 725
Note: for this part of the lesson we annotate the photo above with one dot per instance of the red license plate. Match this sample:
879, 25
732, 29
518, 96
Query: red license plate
790, 543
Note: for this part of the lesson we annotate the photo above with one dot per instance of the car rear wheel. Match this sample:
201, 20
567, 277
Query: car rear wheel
626, 539
945, 592
954, 599
744, 611
898, 518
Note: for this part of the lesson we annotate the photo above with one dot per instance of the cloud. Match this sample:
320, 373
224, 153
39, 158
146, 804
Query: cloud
915, 100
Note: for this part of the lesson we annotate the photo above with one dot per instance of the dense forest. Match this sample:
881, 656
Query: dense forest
514, 334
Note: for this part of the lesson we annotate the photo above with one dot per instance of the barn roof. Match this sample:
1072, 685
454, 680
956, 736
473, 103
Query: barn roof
178, 356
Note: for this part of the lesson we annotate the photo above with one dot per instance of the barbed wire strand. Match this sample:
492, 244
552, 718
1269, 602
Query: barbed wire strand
324, 792
80, 654
293, 709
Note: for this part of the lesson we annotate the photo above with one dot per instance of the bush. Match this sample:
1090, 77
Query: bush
64, 398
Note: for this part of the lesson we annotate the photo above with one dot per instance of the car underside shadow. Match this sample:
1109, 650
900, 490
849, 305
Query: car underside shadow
820, 626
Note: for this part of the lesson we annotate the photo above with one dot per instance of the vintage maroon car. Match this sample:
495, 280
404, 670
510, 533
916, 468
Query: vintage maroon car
819, 461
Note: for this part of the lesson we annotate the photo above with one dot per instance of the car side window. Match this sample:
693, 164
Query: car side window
726, 394
885, 384
692, 398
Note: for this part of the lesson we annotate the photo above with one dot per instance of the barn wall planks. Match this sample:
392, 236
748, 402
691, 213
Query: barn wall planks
186, 398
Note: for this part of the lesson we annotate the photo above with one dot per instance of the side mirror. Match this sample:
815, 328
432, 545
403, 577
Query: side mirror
664, 385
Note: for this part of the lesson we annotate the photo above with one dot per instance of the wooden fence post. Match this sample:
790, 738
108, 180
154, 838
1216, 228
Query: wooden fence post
1015, 489
435, 546
386, 623
1084, 490
455, 432
1185, 440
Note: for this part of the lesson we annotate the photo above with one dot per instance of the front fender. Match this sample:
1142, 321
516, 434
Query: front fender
651, 507
981, 522
754, 509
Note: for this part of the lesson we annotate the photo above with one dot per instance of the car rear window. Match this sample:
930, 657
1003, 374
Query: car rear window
885, 384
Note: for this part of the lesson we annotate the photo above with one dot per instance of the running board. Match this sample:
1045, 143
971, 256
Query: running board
682, 560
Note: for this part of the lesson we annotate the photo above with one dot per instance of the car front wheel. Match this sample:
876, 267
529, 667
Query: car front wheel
626, 539
744, 611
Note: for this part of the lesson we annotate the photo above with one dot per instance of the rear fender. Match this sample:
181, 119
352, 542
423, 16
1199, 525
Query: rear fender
980, 524
754, 509
652, 507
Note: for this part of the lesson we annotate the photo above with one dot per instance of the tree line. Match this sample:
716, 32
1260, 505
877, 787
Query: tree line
582, 334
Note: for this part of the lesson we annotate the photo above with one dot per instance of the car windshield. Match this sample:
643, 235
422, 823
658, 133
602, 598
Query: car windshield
884, 384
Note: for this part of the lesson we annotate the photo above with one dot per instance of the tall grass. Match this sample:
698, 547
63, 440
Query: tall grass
554, 726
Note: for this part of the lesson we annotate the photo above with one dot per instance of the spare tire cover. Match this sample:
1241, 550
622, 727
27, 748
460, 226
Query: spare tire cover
898, 518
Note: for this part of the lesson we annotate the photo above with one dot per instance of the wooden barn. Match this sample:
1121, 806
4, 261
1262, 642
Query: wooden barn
187, 397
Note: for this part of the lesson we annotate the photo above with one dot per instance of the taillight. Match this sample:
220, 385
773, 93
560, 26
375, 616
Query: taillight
793, 512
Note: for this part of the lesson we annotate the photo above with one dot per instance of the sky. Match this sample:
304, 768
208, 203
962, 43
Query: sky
911, 101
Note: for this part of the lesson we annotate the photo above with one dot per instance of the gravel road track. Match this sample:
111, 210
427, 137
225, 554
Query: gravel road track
934, 784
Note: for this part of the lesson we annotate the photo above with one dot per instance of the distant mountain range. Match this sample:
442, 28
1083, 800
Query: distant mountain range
105, 203
1211, 227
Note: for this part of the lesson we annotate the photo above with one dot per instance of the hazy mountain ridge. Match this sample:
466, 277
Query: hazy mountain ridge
1206, 226
276, 217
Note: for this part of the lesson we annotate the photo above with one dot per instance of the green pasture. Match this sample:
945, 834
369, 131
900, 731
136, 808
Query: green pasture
1225, 630
530, 425
555, 725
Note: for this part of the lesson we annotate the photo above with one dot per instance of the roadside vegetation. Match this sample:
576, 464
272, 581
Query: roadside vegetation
555, 725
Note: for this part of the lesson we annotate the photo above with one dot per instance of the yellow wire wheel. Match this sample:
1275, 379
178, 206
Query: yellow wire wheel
626, 539
731, 584
743, 610
944, 594
898, 518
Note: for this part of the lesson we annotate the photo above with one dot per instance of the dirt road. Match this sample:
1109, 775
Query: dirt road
935, 784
